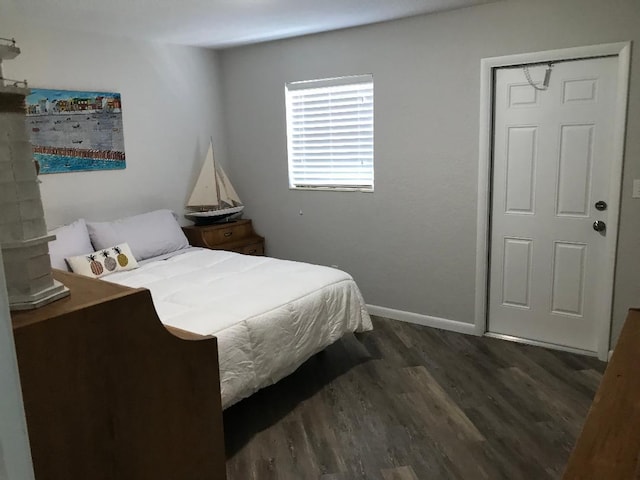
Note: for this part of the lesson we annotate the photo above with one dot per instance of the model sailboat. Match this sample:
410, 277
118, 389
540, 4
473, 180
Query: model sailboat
213, 198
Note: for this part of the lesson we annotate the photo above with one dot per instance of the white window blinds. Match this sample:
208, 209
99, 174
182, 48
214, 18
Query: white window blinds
330, 133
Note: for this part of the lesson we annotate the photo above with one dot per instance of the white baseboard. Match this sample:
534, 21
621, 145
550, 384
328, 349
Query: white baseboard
424, 320
609, 356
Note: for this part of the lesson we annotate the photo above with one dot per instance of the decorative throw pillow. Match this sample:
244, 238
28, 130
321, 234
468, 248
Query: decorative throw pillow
149, 234
103, 262
71, 240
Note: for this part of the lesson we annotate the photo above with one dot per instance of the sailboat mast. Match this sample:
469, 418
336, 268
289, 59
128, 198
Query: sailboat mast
215, 172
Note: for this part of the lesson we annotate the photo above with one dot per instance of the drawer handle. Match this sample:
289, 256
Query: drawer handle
253, 251
228, 234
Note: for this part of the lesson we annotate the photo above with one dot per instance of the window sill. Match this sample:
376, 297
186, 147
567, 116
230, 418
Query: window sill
334, 189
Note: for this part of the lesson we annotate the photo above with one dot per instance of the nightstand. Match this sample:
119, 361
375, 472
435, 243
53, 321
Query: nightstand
237, 236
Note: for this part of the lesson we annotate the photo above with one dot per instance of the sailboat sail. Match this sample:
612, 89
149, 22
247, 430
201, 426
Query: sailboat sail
230, 196
205, 193
213, 197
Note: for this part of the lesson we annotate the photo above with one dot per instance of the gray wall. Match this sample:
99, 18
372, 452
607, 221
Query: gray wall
411, 244
171, 106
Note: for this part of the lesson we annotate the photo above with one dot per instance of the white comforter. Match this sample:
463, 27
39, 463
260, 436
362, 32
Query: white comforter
269, 315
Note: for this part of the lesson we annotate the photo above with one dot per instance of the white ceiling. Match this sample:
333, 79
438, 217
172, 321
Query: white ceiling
219, 23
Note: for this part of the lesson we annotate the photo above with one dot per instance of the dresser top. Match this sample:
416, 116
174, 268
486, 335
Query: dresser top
85, 292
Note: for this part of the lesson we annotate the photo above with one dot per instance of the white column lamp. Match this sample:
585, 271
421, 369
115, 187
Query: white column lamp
23, 232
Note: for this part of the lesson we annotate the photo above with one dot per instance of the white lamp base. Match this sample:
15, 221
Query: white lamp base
29, 302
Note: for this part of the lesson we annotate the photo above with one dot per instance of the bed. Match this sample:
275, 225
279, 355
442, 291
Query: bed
269, 315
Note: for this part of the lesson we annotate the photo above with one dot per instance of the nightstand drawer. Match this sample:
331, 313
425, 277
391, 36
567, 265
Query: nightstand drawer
229, 233
253, 249
237, 236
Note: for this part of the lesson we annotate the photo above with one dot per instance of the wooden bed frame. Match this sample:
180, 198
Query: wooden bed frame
110, 393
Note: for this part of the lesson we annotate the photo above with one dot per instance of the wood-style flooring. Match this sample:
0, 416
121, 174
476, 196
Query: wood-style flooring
405, 402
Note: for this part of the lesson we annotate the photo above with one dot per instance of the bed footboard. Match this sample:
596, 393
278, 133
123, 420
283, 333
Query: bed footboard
110, 394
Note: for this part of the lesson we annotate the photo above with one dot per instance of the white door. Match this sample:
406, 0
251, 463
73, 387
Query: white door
552, 153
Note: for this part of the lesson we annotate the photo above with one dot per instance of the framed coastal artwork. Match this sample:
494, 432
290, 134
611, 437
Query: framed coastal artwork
72, 131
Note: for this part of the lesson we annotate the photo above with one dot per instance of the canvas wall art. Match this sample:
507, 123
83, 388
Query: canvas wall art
73, 131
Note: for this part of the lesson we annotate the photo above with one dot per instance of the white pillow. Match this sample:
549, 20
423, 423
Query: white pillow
149, 235
103, 262
70, 240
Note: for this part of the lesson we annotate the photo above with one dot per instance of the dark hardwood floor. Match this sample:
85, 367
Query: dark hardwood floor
406, 402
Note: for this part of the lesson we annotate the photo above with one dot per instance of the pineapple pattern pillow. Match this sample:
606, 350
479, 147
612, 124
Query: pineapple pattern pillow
103, 262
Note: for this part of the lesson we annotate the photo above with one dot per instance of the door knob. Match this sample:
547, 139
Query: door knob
599, 226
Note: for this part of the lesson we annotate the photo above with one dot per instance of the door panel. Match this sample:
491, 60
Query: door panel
521, 163
579, 90
551, 163
568, 278
522, 95
516, 284
574, 176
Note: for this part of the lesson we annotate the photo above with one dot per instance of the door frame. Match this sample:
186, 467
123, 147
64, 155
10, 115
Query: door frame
487, 70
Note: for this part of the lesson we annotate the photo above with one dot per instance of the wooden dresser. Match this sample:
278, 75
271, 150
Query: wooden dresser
237, 236
609, 446
110, 393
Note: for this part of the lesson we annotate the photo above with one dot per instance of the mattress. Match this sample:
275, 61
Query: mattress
268, 315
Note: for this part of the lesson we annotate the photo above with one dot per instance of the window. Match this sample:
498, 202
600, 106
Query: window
330, 133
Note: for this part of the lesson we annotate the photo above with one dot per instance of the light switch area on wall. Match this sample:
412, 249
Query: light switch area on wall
636, 189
